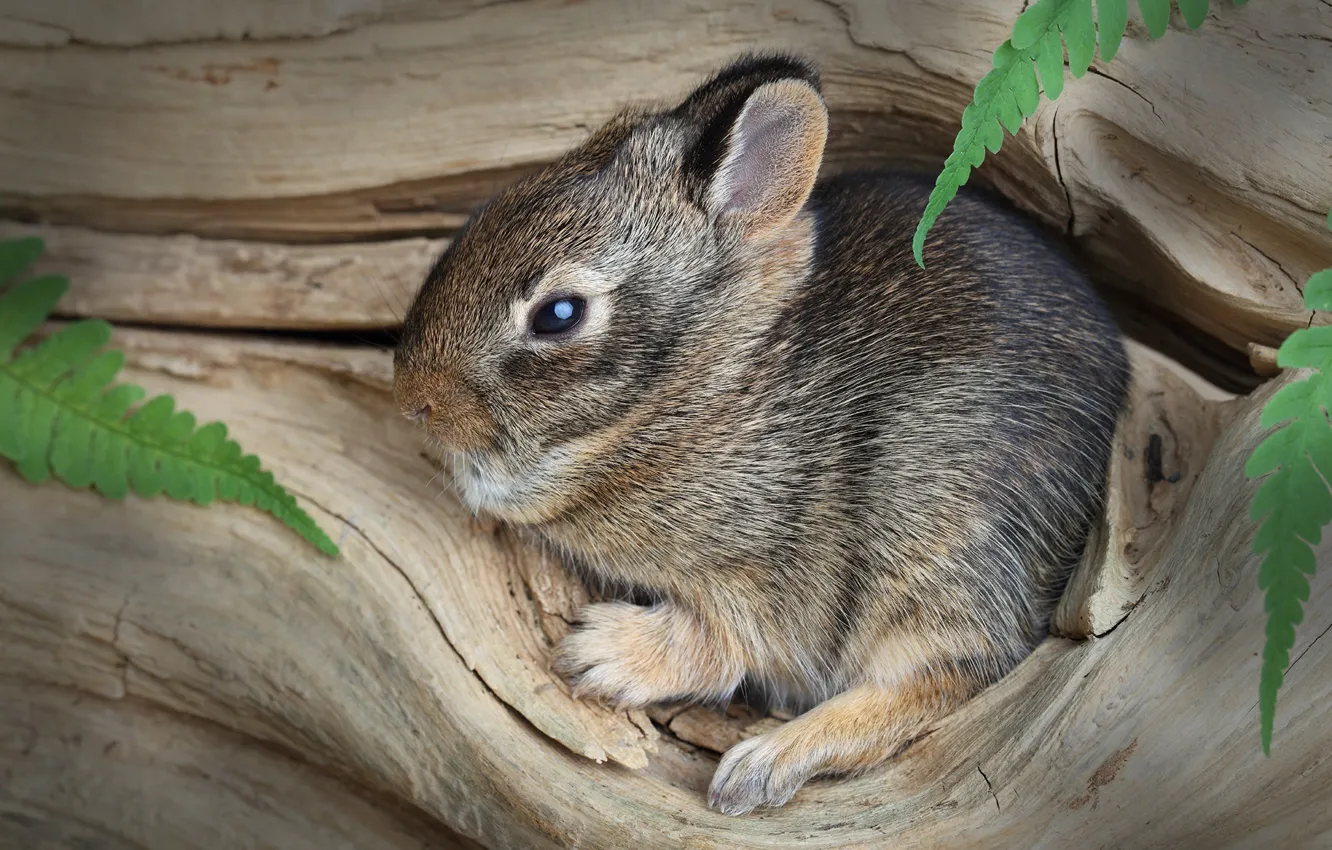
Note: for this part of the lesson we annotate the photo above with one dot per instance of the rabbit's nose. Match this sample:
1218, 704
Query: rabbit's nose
421, 415
453, 412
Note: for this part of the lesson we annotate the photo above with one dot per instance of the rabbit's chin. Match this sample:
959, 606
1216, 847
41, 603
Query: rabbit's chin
514, 492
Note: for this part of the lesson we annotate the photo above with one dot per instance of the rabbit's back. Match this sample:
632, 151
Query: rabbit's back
958, 419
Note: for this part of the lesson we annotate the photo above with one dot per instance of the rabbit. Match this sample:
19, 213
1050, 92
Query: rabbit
820, 471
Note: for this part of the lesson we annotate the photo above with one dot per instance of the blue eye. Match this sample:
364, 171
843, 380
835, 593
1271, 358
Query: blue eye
557, 316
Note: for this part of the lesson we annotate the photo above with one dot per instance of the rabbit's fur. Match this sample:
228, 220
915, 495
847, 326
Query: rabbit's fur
855, 483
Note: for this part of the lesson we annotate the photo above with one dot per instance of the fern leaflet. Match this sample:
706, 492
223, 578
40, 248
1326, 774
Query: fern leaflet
1010, 93
59, 415
1293, 503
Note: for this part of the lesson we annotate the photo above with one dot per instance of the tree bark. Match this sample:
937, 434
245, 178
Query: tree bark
172, 676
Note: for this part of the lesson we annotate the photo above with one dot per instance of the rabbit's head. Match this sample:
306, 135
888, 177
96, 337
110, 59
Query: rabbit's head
574, 296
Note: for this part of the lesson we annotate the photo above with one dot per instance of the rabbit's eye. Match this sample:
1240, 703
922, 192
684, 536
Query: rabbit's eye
557, 316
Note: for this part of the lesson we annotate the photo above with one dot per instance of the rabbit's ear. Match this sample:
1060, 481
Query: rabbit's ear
761, 128
772, 157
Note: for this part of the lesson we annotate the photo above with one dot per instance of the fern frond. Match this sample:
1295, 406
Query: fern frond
1009, 93
1293, 503
60, 415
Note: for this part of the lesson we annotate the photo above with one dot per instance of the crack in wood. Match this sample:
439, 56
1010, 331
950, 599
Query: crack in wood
979, 770
1307, 648
1071, 223
1099, 73
1299, 287
439, 626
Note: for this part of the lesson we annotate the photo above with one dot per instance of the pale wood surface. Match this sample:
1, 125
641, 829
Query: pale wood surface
1165, 436
77, 764
56, 23
186, 280
1197, 168
414, 666
178, 677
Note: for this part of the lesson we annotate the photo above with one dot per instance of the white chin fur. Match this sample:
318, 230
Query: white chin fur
487, 485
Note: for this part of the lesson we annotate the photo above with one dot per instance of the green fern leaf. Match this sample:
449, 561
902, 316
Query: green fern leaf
1009, 93
1318, 291
16, 255
995, 107
1156, 15
1194, 12
1080, 37
1293, 504
1111, 21
60, 416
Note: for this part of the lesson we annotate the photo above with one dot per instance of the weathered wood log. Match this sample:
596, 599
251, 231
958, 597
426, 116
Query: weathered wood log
185, 280
152, 639
172, 676
1195, 168
1165, 436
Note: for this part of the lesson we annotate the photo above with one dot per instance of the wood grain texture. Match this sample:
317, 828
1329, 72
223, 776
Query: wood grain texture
186, 280
1195, 170
414, 667
102, 758
172, 676
1164, 438
58, 23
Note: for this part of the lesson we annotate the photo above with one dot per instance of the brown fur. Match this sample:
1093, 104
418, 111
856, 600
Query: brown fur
454, 410
849, 483
634, 656
848, 734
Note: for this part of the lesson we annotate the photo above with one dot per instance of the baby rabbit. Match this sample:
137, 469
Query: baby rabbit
847, 481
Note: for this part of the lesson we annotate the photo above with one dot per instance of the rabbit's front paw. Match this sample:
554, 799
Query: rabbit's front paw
604, 659
631, 656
